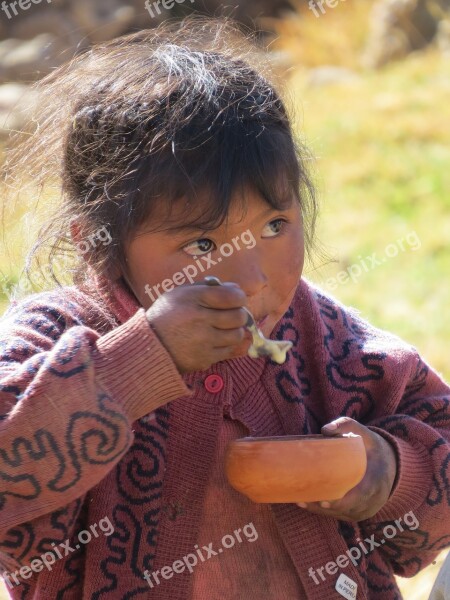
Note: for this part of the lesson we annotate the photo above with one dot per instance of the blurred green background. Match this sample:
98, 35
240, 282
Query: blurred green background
381, 137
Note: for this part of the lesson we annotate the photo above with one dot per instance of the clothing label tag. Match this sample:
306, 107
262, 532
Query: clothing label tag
346, 587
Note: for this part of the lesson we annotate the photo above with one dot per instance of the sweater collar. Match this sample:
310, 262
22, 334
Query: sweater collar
114, 296
122, 304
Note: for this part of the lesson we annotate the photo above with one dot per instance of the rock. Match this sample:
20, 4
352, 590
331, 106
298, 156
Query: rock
7, 45
54, 21
398, 27
331, 75
31, 59
281, 61
443, 37
252, 13
103, 19
16, 100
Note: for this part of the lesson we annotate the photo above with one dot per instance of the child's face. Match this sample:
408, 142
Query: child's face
262, 251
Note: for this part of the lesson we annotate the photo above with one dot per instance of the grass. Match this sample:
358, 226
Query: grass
383, 156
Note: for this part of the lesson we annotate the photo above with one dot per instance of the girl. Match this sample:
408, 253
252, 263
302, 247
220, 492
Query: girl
120, 393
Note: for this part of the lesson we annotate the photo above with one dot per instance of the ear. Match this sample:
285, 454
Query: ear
78, 233
84, 248
76, 230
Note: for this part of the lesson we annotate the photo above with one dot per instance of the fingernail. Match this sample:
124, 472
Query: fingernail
325, 504
302, 504
331, 426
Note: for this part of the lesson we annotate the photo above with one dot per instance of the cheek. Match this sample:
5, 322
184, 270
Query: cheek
286, 279
290, 260
294, 266
145, 267
287, 271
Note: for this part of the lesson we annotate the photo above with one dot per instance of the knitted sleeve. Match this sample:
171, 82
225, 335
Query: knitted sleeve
68, 398
414, 524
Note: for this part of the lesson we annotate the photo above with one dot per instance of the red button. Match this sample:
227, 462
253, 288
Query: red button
213, 383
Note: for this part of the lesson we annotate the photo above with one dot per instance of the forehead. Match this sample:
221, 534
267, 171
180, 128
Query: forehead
184, 215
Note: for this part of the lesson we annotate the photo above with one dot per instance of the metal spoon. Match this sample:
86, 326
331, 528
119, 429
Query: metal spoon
261, 346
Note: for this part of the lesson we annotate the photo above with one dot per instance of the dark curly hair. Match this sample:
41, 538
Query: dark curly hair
157, 114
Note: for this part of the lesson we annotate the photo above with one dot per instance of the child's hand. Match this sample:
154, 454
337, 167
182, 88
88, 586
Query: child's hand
366, 498
200, 325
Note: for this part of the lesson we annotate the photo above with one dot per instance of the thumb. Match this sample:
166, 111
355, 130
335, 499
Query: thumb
342, 425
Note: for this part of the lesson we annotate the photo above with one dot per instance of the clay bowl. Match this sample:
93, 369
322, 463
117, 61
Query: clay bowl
295, 468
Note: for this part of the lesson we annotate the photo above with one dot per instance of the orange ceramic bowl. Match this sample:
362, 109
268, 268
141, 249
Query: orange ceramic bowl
296, 468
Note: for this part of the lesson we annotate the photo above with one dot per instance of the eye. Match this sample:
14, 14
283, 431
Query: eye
273, 228
199, 247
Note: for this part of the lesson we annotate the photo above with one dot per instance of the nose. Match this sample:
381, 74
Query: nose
249, 275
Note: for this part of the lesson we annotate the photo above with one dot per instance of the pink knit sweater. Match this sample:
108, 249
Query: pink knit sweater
97, 424
251, 564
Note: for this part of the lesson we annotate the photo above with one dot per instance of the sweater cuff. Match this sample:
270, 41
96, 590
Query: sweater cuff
136, 369
412, 481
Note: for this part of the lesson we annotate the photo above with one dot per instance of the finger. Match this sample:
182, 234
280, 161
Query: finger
225, 296
325, 504
232, 318
226, 338
343, 425
314, 507
226, 283
219, 354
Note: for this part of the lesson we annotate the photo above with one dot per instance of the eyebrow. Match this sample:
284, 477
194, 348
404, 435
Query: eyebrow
190, 228
180, 228
185, 229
